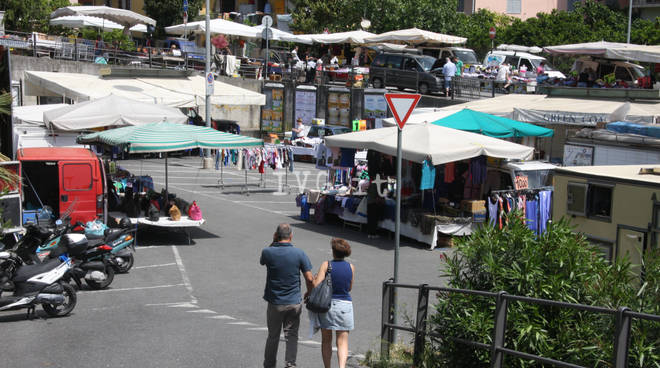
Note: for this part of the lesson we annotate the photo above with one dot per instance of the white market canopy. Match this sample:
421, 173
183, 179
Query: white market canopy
609, 50
175, 92
422, 141
354, 37
216, 26
541, 109
111, 111
279, 35
415, 36
124, 17
81, 21
32, 114
519, 48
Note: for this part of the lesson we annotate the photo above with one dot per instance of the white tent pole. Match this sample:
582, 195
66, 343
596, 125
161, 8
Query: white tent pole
207, 68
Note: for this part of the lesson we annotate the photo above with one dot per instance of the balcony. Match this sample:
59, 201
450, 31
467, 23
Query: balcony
646, 3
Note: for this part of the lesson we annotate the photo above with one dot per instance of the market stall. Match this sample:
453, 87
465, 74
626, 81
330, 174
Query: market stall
164, 138
443, 173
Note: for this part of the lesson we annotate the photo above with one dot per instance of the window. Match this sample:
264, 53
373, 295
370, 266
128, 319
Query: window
512, 60
603, 246
394, 61
380, 60
76, 177
410, 64
461, 6
576, 201
621, 73
600, 201
513, 6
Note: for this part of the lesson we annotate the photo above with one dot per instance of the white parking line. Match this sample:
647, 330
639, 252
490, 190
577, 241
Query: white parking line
184, 275
222, 317
207, 311
152, 266
241, 323
172, 304
135, 288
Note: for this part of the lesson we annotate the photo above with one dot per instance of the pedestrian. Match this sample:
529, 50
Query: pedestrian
294, 54
504, 76
298, 130
540, 70
459, 66
340, 316
99, 46
284, 263
448, 71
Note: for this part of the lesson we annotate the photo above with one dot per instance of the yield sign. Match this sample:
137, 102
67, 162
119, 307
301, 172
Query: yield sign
402, 106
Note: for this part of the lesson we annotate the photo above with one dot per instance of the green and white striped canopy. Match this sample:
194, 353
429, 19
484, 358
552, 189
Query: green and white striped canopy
168, 137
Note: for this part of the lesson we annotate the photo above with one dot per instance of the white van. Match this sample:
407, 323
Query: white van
467, 56
517, 59
622, 70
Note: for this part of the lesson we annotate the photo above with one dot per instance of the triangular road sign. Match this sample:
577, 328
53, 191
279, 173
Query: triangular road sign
402, 106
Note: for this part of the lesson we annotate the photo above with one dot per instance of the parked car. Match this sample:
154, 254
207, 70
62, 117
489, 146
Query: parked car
418, 72
188, 48
517, 59
623, 70
320, 131
70, 180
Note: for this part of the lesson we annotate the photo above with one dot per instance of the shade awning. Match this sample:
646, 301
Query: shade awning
279, 35
110, 111
416, 36
354, 37
168, 137
491, 125
176, 92
124, 17
216, 26
32, 114
609, 50
80, 21
427, 141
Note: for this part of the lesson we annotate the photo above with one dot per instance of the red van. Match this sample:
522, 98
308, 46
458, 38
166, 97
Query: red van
70, 180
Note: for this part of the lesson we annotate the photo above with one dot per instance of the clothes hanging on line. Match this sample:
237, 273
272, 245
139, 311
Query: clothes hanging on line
534, 204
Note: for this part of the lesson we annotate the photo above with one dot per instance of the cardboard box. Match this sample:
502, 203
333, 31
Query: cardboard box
473, 206
479, 217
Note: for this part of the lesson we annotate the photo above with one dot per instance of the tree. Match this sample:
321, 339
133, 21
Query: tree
169, 12
558, 265
31, 15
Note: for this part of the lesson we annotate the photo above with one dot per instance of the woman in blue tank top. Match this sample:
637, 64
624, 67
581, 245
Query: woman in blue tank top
340, 316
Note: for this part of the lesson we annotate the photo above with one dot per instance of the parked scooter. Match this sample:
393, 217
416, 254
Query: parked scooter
36, 284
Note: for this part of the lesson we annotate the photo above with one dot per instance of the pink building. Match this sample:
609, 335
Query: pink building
522, 9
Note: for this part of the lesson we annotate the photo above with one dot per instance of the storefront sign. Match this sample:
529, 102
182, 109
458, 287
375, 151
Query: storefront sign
558, 117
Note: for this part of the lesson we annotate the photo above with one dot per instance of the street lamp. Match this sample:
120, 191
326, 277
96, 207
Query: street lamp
629, 19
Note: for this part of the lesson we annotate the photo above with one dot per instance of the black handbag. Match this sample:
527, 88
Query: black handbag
320, 298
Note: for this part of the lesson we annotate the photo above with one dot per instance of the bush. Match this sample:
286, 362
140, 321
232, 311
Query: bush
559, 265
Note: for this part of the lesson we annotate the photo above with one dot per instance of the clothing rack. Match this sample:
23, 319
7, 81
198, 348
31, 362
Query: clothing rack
526, 190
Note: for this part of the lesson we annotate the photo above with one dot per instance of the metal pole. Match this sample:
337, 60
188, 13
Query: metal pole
167, 198
629, 19
207, 69
267, 54
397, 223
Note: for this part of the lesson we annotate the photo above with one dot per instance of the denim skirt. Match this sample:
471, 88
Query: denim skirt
339, 317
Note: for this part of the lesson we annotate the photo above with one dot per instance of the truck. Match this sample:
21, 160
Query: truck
71, 181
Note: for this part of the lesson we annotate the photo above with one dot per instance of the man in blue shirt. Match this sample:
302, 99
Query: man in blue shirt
448, 71
284, 264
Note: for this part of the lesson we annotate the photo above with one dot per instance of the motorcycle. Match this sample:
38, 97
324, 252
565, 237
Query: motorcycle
35, 284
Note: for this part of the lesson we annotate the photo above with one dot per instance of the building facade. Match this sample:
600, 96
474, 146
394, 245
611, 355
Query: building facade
523, 9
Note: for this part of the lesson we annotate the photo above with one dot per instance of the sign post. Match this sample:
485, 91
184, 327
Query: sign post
401, 105
491, 34
267, 22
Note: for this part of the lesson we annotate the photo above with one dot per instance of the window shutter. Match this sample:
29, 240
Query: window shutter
513, 6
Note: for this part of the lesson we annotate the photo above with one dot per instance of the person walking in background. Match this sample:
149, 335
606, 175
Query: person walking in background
459, 66
284, 263
340, 316
504, 76
297, 131
448, 71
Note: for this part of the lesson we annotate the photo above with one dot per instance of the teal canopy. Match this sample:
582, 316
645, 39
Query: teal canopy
491, 125
168, 137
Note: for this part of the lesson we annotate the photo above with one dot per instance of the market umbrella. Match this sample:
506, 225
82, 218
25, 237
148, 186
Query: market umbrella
609, 50
416, 36
216, 26
491, 125
81, 21
354, 37
111, 110
427, 141
168, 137
124, 17
279, 35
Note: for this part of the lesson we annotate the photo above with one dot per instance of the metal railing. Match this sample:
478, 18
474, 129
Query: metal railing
623, 320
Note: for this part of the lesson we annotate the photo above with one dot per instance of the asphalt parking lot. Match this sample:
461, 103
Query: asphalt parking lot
200, 305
